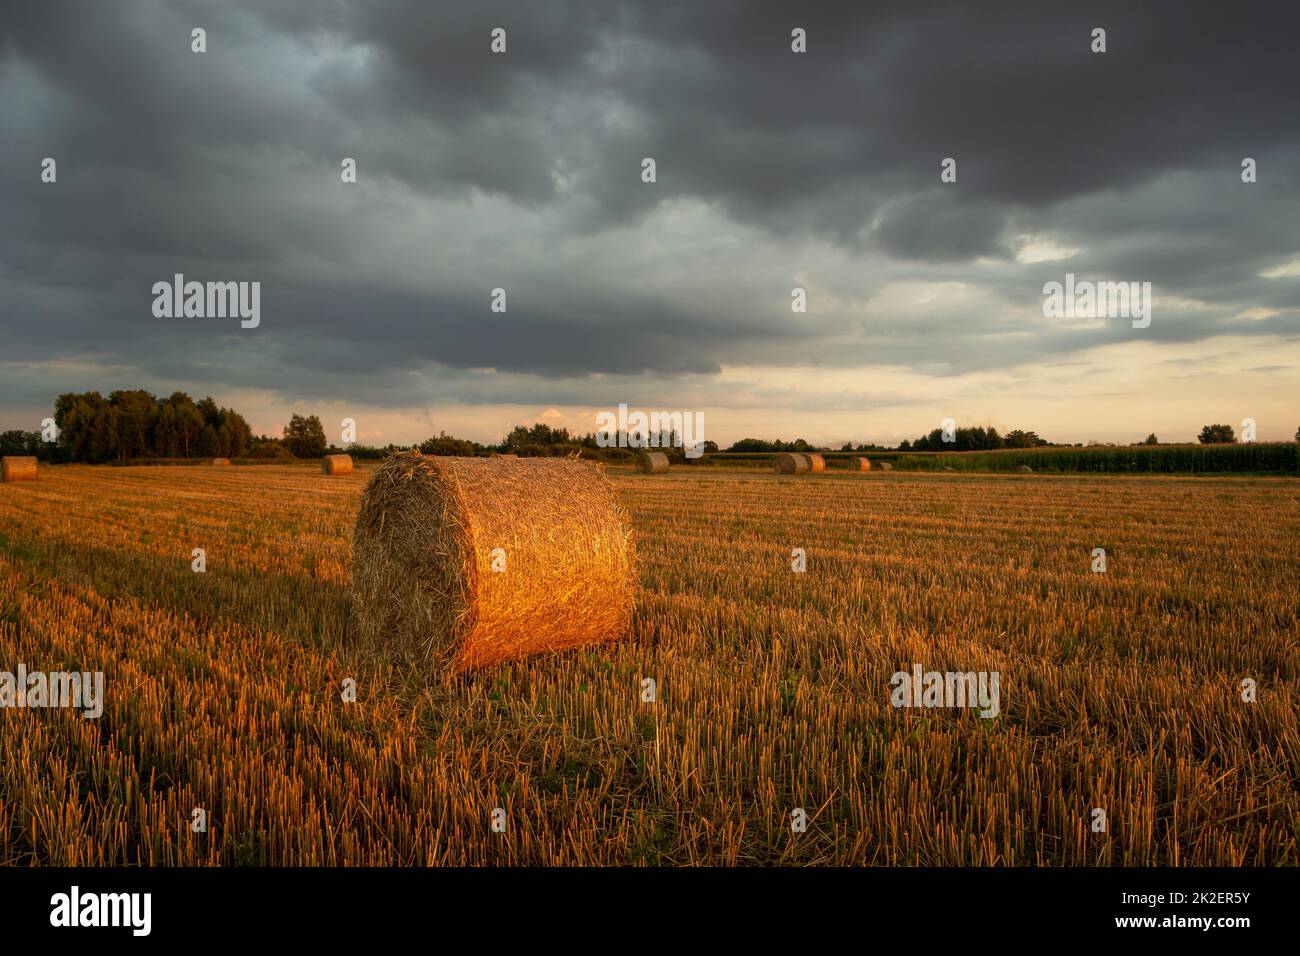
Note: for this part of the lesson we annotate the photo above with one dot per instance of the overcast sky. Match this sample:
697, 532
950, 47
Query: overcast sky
775, 169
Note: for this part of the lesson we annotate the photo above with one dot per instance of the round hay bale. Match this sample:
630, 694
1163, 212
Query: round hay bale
789, 463
219, 461
469, 562
17, 468
816, 463
651, 462
885, 466
336, 465
1024, 469
859, 464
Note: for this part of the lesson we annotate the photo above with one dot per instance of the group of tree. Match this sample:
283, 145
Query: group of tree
540, 440
133, 423
761, 445
973, 439
1217, 435
16, 442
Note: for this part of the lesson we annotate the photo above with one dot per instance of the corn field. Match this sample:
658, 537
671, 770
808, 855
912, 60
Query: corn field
1254, 457
1121, 691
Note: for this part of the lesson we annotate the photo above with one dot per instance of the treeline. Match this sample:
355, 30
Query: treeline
540, 440
526, 441
132, 424
973, 439
754, 445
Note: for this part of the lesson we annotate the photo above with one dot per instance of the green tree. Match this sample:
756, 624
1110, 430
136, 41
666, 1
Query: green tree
207, 445
17, 442
1022, 439
105, 434
179, 424
305, 437
137, 415
445, 444
1151, 439
1217, 435
77, 417
166, 438
240, 435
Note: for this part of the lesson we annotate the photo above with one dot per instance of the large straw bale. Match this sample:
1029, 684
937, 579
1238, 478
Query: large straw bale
17, 468
336, 465
430, 531
651, 462
791, 463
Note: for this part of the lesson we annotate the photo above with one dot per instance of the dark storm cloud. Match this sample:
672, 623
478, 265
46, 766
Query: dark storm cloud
523, 170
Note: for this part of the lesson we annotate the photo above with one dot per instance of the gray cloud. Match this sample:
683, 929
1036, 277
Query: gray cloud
522, 171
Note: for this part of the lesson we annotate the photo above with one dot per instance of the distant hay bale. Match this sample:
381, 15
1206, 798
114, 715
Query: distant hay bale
336, 465
17, 468
816, 463
859, 464
474, 561
651, 462
219, 461
790, 463
885, 466
1024, 469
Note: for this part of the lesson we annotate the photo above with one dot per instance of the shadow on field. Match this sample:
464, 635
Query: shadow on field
310, 610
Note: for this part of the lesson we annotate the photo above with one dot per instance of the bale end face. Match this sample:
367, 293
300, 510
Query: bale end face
859, 464
790, 463
469, 562
651, 462
336, 465
17, 468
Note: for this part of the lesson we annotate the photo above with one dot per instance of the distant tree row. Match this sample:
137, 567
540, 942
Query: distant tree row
135, 424
973, 439
759, 445
17, 442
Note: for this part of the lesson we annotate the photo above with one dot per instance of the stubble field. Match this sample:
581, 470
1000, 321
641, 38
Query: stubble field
1118, 691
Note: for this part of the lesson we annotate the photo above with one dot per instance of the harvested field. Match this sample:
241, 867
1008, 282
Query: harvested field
1119, 691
